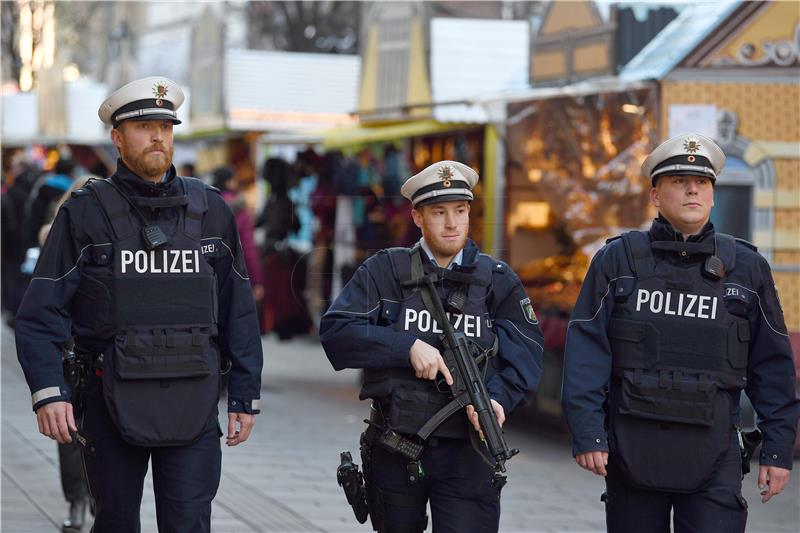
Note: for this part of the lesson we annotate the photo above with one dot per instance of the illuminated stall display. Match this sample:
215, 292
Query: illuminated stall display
574, 180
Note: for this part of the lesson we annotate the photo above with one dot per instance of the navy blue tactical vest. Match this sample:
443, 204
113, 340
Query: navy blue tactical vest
161, 372
411, 401
677, 351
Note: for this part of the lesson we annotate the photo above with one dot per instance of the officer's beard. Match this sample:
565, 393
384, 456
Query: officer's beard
148, 165
446, 248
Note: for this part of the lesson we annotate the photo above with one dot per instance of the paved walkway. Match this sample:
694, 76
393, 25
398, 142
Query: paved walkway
282, 479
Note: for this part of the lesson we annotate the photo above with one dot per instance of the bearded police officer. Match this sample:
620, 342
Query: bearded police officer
379, 325
145, 271
670, 326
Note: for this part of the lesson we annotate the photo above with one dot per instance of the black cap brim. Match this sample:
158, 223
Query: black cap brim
683, 173
443, 198
152, 117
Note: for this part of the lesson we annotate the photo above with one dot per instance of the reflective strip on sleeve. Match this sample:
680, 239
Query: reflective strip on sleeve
43, 394
255, 405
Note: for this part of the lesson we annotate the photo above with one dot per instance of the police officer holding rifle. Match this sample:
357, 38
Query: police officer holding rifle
450, 345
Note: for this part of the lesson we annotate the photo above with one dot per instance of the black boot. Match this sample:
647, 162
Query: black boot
74, 522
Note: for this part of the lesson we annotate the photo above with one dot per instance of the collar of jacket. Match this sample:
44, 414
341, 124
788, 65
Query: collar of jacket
662, 230
137, 186
471, 252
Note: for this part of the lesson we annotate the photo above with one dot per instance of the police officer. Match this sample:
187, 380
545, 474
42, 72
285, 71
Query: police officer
389, 331
670, 326
145, 271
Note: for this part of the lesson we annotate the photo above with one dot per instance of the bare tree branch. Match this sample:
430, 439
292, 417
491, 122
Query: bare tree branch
283, 25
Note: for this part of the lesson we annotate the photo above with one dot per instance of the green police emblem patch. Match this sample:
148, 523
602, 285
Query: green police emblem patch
527, 311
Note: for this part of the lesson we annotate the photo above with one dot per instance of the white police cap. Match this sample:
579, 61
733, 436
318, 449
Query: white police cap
445, 181
153, 98
689, 154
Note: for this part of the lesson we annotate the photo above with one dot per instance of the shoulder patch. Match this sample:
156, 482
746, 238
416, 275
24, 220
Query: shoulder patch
747, 244
527, 311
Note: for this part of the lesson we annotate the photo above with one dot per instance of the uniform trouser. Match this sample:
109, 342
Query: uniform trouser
456, 481
717, 507
73, 482
185, 478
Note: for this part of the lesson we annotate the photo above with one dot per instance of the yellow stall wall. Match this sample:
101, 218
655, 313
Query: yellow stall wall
769, 114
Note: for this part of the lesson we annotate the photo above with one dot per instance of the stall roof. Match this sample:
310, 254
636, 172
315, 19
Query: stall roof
605, 84
492, 107
289, 91
357, 135
470, 58
677, 40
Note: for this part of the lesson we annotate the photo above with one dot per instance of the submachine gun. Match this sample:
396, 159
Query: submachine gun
468, 387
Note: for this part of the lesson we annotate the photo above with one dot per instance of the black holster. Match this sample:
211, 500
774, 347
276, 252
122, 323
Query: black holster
76, 367
352, 482
748, 444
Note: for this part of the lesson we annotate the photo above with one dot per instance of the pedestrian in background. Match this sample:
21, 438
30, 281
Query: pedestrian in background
47, 195
14, 236
670, 326
225, 180
284, 310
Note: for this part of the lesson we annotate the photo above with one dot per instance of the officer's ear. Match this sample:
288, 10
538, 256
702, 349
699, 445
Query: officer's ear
417, 217
654, 199
116, 136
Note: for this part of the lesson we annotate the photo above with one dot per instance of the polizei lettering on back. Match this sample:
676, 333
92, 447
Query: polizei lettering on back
423, 322
677, 304
160, 261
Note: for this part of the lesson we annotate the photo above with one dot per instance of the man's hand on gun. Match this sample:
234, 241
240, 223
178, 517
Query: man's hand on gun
499, 413
427, 362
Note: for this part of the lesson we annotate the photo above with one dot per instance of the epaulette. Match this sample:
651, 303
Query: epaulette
87, 187
212, 188
500, 267
612, 239
747, 243
497, 266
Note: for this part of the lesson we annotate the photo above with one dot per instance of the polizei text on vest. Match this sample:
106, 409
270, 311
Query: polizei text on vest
160, 261
422, 321
678, 304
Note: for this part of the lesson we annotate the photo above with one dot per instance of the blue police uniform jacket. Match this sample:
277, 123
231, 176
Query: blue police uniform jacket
82, 240
373, 323
607, 340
